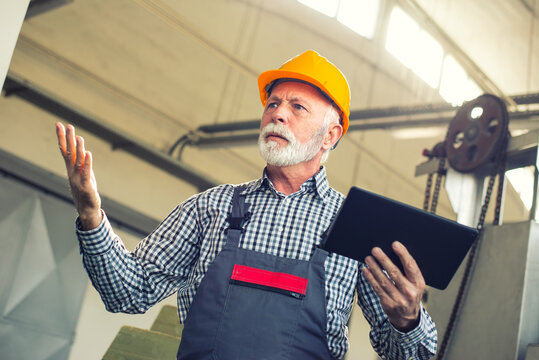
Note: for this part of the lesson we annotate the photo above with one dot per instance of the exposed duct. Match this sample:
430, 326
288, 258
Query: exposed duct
440, 114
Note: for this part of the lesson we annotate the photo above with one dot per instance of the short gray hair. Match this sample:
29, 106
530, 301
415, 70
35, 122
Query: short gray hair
332, 116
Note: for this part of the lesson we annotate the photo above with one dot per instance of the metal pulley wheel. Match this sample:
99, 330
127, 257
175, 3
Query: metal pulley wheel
476, 133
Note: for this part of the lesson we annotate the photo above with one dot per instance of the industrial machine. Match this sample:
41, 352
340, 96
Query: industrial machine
490, 310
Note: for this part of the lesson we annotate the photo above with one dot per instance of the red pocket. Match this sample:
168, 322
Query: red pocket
275, 281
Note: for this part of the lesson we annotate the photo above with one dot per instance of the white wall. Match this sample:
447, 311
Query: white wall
12, 14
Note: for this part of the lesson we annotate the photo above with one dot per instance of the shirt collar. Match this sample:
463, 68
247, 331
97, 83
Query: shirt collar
318, 182
321, 183
254, 185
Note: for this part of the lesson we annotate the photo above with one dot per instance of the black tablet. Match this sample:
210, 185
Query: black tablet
366, 220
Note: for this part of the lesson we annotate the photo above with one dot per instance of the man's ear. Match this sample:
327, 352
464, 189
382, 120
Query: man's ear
333, 135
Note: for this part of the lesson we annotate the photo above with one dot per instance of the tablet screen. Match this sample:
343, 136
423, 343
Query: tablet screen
366, 220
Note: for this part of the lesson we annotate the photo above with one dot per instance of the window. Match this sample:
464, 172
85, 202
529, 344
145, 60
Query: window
456, 86
401, 32
472, 90
428, 59
522, 181
359, 15
408, 42
414, 47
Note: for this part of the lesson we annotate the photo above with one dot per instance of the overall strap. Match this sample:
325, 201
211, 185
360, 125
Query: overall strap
319, 256
237, 217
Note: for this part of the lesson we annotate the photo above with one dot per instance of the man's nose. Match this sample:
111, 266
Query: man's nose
281, 114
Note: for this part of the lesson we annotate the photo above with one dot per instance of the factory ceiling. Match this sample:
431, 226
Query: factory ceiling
155, 71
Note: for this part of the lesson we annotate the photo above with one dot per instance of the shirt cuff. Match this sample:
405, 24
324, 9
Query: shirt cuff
413, 337
95, 241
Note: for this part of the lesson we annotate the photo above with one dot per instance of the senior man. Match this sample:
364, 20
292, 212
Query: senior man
251, 281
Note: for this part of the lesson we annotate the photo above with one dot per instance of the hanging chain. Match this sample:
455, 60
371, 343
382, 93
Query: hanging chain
498, 170
439, 176
440, 173
501, 183
427, 192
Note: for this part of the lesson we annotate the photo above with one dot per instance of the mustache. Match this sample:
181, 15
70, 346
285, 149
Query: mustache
278, 129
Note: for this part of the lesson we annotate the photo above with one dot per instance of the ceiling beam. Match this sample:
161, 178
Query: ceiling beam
16, 86
357, 116
240, 133
248, 139
37, 7
31, 175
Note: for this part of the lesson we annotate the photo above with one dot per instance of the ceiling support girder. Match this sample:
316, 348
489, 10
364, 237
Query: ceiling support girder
37, 7
368, 114
15, 86
242, 133
42, 180
216, 141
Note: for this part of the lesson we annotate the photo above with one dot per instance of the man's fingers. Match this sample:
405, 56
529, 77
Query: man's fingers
61, 134
405, 283
381, 278
71, 147
79, 163
392, 270
399, 293
376, 286
87, 169
412, 271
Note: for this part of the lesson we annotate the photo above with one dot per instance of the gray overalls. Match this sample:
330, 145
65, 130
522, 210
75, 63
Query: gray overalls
252, 305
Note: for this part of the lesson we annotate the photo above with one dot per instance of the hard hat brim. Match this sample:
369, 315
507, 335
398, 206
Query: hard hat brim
267, 77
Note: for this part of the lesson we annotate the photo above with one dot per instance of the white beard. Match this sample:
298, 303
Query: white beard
292, 153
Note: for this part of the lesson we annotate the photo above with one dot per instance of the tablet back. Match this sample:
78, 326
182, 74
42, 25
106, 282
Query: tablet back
367, 220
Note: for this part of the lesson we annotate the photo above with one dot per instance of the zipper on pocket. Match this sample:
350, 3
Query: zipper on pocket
293, 294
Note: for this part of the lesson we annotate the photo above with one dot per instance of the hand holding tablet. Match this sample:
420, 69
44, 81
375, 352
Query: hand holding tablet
367, 220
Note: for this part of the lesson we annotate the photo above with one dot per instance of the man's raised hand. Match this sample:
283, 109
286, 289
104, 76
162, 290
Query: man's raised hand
81, 177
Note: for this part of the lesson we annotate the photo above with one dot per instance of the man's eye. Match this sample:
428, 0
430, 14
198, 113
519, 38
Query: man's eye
298, 107
272, 105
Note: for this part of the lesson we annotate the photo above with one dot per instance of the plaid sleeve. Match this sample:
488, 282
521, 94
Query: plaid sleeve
388, 342
131, 282
94, 241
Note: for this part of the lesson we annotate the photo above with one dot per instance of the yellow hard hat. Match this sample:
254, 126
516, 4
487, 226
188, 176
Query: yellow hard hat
316, 70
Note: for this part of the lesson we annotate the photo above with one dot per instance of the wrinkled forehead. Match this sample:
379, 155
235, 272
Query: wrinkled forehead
298, 88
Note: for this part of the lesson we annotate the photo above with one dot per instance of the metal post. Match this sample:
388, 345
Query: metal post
12, 14
465, 192
533, 209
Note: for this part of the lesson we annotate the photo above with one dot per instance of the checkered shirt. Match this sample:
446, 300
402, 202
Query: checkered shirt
175, 257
